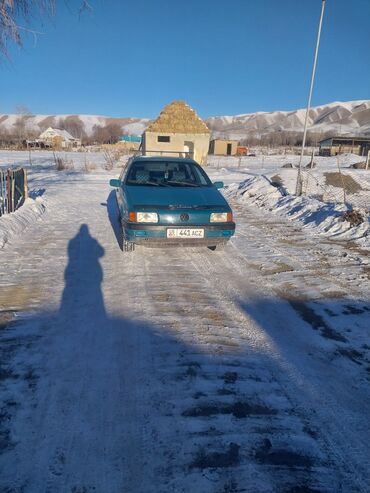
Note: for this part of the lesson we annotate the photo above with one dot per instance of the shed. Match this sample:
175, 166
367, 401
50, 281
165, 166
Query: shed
341, 145
222, 147
178, 132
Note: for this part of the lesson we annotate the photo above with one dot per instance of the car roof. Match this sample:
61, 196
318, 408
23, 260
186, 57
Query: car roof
164, 158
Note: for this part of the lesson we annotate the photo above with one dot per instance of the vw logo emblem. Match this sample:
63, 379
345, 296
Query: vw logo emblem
184, 217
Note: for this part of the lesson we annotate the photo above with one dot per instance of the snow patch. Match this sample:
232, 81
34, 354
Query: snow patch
323, 218
14, 224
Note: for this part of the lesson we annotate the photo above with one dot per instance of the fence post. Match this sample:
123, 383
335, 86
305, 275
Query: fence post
8, 192
25, 186
367, 160
312, 154
13, 191
2, 193
343, 184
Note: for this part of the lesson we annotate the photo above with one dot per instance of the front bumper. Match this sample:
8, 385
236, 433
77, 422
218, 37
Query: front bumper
156, 234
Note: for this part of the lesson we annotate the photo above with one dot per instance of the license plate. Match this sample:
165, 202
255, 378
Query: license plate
185, 233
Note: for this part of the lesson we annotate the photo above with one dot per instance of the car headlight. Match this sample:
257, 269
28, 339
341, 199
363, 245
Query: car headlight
146, 217
221, 217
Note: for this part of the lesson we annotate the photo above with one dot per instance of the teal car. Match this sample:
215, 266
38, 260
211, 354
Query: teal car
165, 201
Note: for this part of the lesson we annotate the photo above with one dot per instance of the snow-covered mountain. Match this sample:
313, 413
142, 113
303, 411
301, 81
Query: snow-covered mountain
340, 118
38, 123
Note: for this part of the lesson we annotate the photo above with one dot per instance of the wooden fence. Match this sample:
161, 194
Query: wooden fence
13, 189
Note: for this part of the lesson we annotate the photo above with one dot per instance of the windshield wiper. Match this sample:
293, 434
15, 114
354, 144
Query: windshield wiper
183, 184
150, 183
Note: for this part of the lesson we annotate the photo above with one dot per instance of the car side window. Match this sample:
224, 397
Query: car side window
200, 178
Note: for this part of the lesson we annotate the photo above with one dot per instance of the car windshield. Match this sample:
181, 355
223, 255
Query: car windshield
166, 174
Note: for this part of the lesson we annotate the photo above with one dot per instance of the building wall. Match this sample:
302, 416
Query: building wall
219, 147
178, 145
51, 137
339, 149
342, 145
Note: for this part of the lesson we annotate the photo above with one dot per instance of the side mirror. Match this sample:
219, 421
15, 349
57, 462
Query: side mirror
218, 184
115, 183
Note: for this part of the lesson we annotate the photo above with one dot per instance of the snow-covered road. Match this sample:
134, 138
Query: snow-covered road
243, 370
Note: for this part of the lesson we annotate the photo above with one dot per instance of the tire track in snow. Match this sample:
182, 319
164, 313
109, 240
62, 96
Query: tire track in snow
324, 416
317, 264
154, 393
198, 327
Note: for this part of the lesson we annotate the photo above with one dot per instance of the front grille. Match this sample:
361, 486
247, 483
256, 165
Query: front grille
153, 207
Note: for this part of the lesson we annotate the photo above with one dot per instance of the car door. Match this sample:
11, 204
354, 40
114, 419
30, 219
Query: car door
121, 197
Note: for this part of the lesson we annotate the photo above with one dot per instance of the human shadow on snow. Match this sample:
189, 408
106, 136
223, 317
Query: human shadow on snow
101, 403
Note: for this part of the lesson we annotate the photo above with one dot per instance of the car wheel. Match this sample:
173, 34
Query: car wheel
220, 246
127, 246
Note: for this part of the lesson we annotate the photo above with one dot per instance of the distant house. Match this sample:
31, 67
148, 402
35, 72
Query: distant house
222, 147
342, 145
177, 132
55, 137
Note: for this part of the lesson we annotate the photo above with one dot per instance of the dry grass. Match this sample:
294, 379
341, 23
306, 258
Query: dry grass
62, 164
359, 165
340, 180
89, 166
19, 297
276, 181
113, 157
355, 218
178, 117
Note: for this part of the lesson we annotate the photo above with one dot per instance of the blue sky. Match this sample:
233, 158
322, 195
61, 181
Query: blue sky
130, 58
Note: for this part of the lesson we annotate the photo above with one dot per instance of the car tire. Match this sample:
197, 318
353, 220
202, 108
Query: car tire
127, 246
221, 246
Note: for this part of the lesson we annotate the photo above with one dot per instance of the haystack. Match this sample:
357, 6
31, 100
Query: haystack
178, 117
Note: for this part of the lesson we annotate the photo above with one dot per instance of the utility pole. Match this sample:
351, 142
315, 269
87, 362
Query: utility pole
298, 190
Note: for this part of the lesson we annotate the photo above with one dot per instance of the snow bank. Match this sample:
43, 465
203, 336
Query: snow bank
320, 217
14, 224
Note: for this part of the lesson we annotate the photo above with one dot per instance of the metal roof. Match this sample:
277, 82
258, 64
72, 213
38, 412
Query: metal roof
163, 158
339, 137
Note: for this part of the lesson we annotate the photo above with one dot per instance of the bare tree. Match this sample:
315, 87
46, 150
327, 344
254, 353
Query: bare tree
109, 134
15, 17
47, 122
114, 131
14, 13
22, 131
4, 135
74, 125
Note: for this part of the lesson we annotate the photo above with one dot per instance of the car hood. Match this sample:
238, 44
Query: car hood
174, 197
